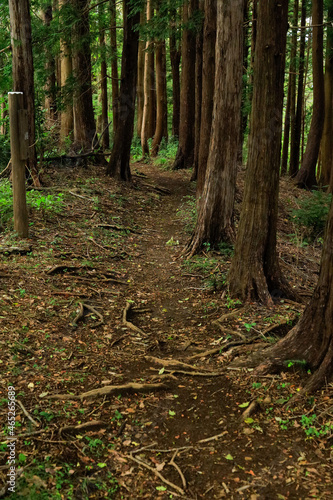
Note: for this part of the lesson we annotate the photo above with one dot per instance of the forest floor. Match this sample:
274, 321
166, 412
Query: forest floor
119, 352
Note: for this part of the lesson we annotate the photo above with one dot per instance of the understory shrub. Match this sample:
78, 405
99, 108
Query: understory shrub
312, 214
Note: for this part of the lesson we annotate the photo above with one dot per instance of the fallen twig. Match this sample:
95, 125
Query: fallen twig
172, 462
226, 316
252, 408
170, 362
27, 414
79, 316
224, 347
212, 438
193, 374
87, 426
112, 390
127, 323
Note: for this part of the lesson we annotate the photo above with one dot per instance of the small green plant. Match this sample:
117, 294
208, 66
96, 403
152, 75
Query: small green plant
232, 303
249, 326
312, 214
187, 212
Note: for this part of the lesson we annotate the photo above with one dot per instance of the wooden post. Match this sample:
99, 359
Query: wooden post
19, 138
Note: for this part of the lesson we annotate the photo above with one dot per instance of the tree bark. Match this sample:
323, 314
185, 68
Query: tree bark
50, 86
162, 109
326, 142
255, 271
208, 84
296, 138
215, 217
23, 72
66, 70
140, 86
306, 177
147, 86
175, 55
119, 162
84, 122
185, 153
105, 142
114, 67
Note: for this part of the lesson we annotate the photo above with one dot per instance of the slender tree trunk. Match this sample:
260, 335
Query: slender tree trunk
208, 69
50, 87
66, 69
161, 115
175, 55
290, 117
84, 122
246, 47
198, 96
255, 272
119, 162
185, 153
147, 86
23, 71
215, 217
105, 142
114, 67
296, 138
306, 177
326, 142
140, 86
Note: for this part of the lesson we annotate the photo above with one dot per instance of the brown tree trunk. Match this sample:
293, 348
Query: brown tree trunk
84, 122
326, 142
66, 69
306, 177
161, 115
105, 139
296, 137
291, 95
140, 85
312, 338
246, 48
255, 271
23, 72
175, 55
50, 87
185, 154
198, 96
147, 86
215, 217
114, 67
208, 69
119, 162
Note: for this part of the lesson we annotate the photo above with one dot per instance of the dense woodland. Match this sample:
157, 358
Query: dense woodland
236, 95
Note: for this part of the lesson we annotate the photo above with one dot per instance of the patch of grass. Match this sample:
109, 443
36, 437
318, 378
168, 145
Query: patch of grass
208, 267
167, 153
187, 212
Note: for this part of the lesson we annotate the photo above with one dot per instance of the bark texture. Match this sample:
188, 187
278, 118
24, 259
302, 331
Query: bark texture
215, 218
66, 69
306, 177
104, 119
148, 82
161, 97
50, 86
175, 55
119, 162
140, 89
255, 271
23, 71
114, 67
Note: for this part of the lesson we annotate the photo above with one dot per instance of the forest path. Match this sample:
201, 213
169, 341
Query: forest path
107, 247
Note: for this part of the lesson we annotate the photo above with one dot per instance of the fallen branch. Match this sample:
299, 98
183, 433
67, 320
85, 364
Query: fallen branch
250, 410
158, 474
159, 189
172, 462
127, 323
87, 426
193, 374
212, 438
114, 390
117, 228
94, 311
27, 414
170, 362
79, 316
224, 348
229, 315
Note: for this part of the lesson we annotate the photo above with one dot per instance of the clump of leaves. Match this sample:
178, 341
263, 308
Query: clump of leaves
312, 213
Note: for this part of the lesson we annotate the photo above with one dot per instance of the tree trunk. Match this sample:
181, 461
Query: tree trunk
119, 162
246, 48
290, 118
105, 139
114, 67
161, 115
296, 137
50, 87
23, 72
84, 122
326, 142
175, 55
312, 338
147, 86
255, 271
215, 218
185, 154
66, 69
140, 85
306, 177
198, 96
208, 69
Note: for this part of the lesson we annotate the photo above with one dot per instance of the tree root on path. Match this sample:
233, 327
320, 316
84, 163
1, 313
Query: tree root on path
113, 390
80, 315
87, 426
172, 362
127, 323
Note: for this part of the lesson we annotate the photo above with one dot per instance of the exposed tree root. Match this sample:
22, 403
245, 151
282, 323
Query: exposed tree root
113, 390
127, 323
170, 362
85, 427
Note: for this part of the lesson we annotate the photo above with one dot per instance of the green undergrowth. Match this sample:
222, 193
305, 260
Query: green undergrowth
310, 218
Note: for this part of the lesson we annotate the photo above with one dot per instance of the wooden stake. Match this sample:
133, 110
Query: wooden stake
19, 153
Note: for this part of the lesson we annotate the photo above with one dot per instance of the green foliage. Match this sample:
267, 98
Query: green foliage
167, 153
312, 213
188, 213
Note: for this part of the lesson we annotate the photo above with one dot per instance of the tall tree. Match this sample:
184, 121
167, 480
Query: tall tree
50, 87
119, 162
207, 100
148, 82
175, 56
23, 71
114, 66
296, 137
105, 139
306, 177
84, 121
161, 97
141, 72
185, 154
215, 217
66, 70
255, 271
